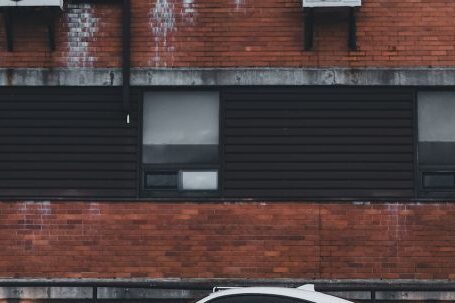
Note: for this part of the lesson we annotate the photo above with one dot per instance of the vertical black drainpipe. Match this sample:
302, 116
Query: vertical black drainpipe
126, 69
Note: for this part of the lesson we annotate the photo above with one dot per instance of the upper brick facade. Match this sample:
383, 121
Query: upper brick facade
237, 33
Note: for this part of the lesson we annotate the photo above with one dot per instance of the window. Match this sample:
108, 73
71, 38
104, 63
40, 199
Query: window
180, 142
436, 127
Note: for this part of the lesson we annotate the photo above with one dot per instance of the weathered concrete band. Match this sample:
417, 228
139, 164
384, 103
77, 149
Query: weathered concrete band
133, 289
228, 77
143, 293
116, 293
46, 293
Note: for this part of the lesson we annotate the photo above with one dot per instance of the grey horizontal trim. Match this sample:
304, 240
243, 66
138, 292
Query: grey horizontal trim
351, 295
144, 293
416, 295
192, 288
294, 76
208, 284
228, 76
46, 293
60, 77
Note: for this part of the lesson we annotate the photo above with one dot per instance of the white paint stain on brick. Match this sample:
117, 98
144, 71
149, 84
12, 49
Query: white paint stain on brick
397, 222
42, 207
94, 209
34, 217
239, 3
188, 10
82, 26
163, 22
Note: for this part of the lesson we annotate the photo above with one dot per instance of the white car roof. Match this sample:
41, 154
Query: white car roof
297, 293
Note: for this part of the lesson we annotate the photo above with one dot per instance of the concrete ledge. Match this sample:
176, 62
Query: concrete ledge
130, 289
228, 77
143, 293
60, 77
416, 295
46, 293
351, 295
294, 77
118, 293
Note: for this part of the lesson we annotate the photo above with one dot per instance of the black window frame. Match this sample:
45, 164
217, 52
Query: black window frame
144, 168
420, 194
422, 170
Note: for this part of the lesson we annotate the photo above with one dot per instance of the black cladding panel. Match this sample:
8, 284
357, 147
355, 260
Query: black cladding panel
318, 143
276, 143
66, 142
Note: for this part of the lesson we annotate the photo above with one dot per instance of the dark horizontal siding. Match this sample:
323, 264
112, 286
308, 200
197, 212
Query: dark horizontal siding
66, 142
318, 143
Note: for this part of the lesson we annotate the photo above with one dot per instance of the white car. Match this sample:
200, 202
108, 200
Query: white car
302, 294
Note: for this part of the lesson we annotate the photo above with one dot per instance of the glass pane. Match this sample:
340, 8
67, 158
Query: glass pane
199, 180
204, 154
161, 180
438, 181
437, 153
181, 127
436, 116
436, 112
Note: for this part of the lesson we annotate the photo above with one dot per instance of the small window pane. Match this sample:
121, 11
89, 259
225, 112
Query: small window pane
205, 154
181, 127
436, 112
437, 117
160, 180
437, 153
199, 180
439, 181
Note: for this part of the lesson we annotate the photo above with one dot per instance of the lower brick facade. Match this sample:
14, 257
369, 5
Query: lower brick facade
227, 240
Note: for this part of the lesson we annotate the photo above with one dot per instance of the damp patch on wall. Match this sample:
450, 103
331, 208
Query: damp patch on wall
164, 18
239, 3
82, 26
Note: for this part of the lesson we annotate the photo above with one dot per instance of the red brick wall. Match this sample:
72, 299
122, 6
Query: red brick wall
238, 33
255, 240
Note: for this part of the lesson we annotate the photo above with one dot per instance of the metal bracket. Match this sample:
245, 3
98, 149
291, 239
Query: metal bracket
8, 22
51, 29
352, 42
309, 29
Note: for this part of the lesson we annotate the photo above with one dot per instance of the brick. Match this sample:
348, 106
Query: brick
219, 33
254, 240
